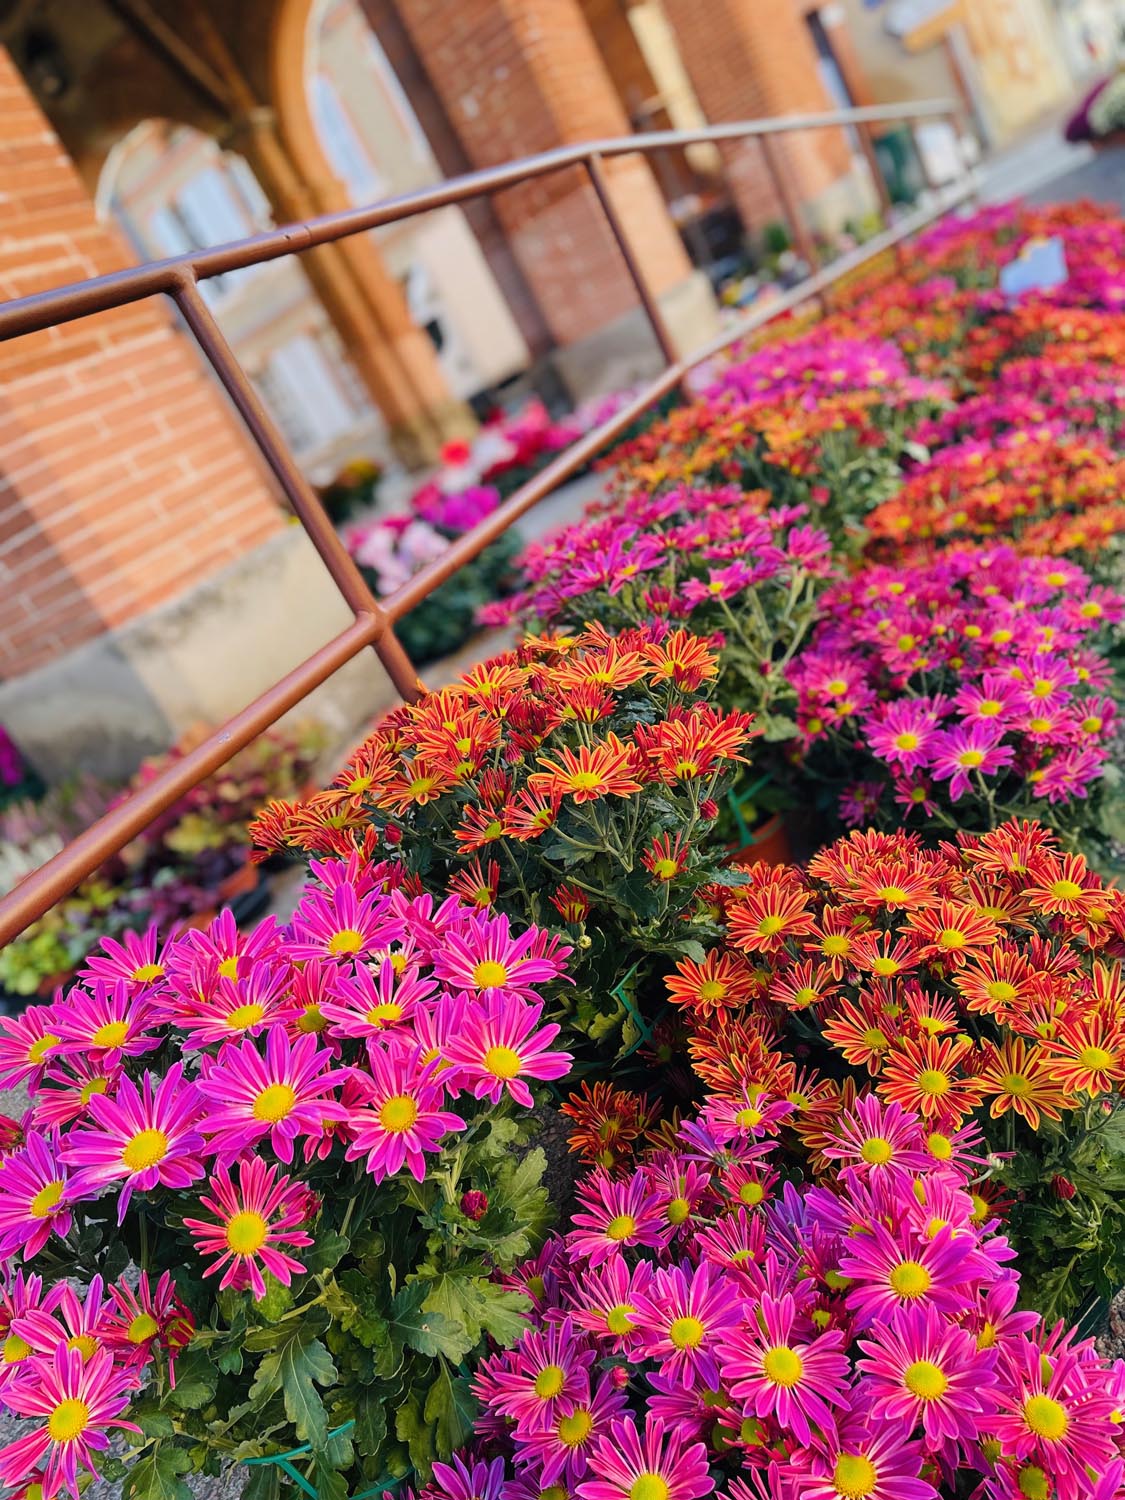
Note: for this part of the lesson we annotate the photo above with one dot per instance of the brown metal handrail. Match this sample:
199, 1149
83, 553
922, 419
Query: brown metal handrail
373, 622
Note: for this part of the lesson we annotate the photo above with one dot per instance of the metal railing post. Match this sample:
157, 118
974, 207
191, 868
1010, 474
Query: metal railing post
798, 230
596, 170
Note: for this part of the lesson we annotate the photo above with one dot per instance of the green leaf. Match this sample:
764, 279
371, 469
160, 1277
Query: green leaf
412, 1429
299, 1363
429, 1330
475, 1306
370, 1431
264, 1483
157, 1476
277, 1301
328, 1481
452, 1408
196, 1379
326, 1253
153, 1423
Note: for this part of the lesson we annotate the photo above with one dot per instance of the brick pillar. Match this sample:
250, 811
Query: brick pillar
124, 477
522, 76
748, 59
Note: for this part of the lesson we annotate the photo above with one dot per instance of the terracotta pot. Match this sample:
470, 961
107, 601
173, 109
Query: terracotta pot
50, 983
201, 920
245, 878
769, 845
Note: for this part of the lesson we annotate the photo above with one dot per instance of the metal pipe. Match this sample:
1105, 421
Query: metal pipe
652, 308
78, 299
798, 230
300, 494
39, 891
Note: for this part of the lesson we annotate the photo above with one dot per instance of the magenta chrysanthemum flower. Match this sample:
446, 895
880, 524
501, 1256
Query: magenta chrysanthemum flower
340, 924
546, 1374
901, 732
139, 1138
876, 1138
113, 1022
285, 1094
482, 957
473, 1480
68, 1087
365, 1005
924, 1371
605, 1301
78, 1322
401, 1118
776, 1369
232, 1008
618, 1213
136, 1319
1055, 1414
563, 1449
35, 1196
26, 1044
959, 754
19, 1297
77, 1400
911, 1270
498, 1046
661, 1465
250, 1222
682, 1318
135, 959
863, 1465
221, 951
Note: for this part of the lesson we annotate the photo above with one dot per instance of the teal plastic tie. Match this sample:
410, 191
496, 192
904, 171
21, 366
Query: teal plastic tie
284, 1461
619, 993
735, 799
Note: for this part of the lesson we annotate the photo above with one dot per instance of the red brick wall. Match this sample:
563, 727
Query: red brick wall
519, 77
748, 59
124, 477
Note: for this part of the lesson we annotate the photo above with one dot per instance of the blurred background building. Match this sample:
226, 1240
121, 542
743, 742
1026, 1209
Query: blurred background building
138, 534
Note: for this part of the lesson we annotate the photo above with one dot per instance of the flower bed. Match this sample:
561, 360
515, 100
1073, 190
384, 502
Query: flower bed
851, 1131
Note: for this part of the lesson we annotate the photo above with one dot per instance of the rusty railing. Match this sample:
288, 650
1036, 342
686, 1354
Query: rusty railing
374, 619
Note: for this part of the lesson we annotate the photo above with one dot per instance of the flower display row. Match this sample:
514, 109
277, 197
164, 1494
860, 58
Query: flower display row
849, 1131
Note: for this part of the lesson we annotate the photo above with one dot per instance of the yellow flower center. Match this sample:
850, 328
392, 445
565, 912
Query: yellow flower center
836, 688
502, 1062
678, 1210
951, 937
910, 1279
246, 1232
46, 1200
549, 1381
1033, 1483
854, 1476
228, 969
585, 781
1046, 1418
686, 1333
489, 975
575, 1429
664, 869
388, 1010
970, 759
1017, 1085
875, 1039
891, 893
986, 1338
1091, 724
924, 1379
112, 1034
68, 1420
38, 1050
85, 1343
711, 990
619, 1320
274, 1102
245, 1016
621, 1228
988, 708
91, 1087
836, 946
648, 1487
15, 1349
751, 1193
1065, 890
933, 1082
1000, 989
145, 1149
144, 1326
885, 967
783, 1366
768, 926
348, 940
748, 1117
146, 973
1096, 1058
398, 1113
939, 1146
877, 1151
312, 1018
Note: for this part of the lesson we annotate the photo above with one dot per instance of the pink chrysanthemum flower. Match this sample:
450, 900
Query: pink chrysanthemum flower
747, 1116
35, 1196
923, 1371
482, 957
472, 1480
546, 1374
136, 960
68, 1087
250, 1222
78, 1322
890, 1272
77, 1400
27, 1043
112, 1023
563, 1449
19, 1297
876, 1138
973, 750
1055, 1414
285, 1094
339, 924
661, 1465
401, 1118
221, 951
682, 1318
737, 1242
137, 1319
774, 1369
865, 1465
233, 1007
617, 1214
365, 1005
497, 1047
139, 1138
606, 1302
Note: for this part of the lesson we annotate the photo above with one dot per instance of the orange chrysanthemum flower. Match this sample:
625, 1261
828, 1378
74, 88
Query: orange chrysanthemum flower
605, 769
1064, 886
722, 981
952, 933
609, 1121
762, 921
684, 659
1087, 1055
864, 1032
923, 1075
1015, 1077
417, 783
